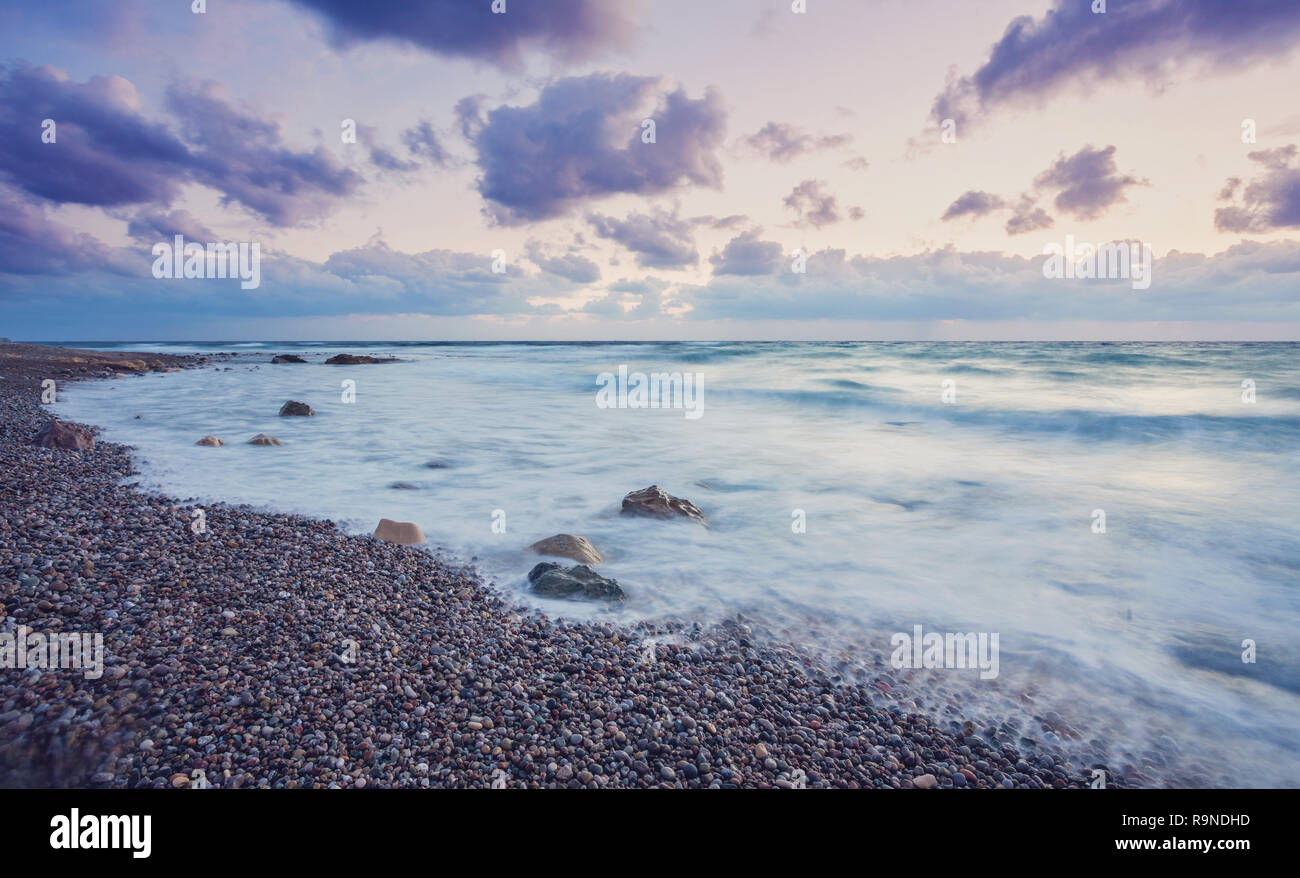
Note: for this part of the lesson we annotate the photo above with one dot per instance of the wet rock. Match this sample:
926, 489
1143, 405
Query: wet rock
287, 358
355, 360
293, 407
264, 439
580, 581
569, 546
210, 442
404, 533
61, 434
655, 502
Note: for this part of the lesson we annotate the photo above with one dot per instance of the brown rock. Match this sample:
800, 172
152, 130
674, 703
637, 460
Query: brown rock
655, 502
287, 358
404, 533
210, 442
263, 439
128, 365
925, 781
61, 434
293, 407
569, 546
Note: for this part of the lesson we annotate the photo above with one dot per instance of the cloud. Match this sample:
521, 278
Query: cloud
107, 154
33, 244
746, 255
1088, 182
1026, 217
157, 225
1249, 281
659, 239
582, 140
423, 141
973, 203
572, 30
816, 207
570, 266
781, 142
1070, 46
1271, 201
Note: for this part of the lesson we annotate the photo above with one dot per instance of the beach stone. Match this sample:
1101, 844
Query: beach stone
61, 434
287, 358
925, 781
404, 533
264, 439
129, 365
655, 502
579, 581
355, 360
293, 407
569, 546
210, 442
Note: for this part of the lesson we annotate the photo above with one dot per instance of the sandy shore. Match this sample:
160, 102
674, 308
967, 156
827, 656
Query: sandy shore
231, 653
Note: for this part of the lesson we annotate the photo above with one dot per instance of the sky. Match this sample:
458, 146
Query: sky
650, 169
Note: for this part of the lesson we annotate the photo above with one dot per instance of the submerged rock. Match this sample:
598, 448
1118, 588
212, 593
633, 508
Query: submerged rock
655, 502
569, 546
287, 358
210, 442
61, 434
263, 439
293, 407
579, 581
403, 486
404, 533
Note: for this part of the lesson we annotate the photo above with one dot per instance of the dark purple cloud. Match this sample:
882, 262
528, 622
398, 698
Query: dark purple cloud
747, 255
1071, 45
974, 203
582, 140
31, 243
781, 142
1026, 216
1088, 182
659, 239
244, 157
816, 207
159, 225
107, 154
570, 29
1269, 202
423, 141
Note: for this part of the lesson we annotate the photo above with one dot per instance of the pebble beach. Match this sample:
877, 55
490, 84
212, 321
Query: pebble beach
276, 651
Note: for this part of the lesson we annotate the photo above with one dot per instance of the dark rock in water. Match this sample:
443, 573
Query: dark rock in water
61, 434
579, 581
655, 502
296, 408
437, 464
403, 486
264, 439
287, 358
355, 360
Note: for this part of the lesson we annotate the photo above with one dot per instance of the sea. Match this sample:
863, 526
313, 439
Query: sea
1123, 516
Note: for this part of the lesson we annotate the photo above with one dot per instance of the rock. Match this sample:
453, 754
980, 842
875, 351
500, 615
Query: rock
355, 360
924, 782
61, 434
655, 502
569, 546
263, 439
437, 464
128, 365
210, 442
287, 358
404, 533
580, 581
293, 407
403, 486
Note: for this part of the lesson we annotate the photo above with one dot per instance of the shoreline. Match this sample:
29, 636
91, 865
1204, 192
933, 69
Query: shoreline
224, 654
